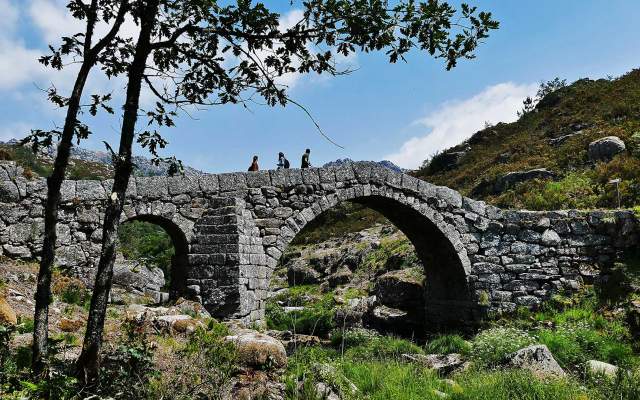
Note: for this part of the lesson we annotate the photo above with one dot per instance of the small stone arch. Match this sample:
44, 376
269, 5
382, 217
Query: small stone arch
448, 296
180, 267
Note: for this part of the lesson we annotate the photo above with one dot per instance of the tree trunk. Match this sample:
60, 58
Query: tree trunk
89, 361
54, 183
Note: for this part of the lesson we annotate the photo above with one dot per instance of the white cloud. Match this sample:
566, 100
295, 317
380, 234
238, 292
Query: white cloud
9, 16
456, 121
16, 130
18, 64
53, 19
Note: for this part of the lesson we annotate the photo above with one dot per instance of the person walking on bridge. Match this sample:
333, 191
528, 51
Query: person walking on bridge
283, 163
305, 159
254, 165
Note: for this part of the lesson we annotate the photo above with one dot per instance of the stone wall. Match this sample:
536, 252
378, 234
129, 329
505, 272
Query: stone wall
233, 228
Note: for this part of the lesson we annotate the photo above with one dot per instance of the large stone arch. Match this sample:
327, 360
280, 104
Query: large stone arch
180, 268
448, 297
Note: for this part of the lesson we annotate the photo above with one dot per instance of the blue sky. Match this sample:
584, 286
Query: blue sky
403, 112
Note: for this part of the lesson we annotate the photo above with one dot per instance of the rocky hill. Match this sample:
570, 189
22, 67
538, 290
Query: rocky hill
566, 147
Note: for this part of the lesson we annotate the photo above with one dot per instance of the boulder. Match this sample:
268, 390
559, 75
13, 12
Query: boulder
537, 359
550, 238
392, 320
165, 323
561, 139
354, 312
606, 148
326, 392
139, 312
601, 368
252, 385
442, 363
341, 277
300, 273
292, 341
189, 307
7, 314
402, 289
137, 277
258, 350
510, 179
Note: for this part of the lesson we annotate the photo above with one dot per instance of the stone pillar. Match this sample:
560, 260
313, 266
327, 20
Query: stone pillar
228, 265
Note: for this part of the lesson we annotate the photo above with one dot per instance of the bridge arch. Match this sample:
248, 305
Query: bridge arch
179, 269
448, 297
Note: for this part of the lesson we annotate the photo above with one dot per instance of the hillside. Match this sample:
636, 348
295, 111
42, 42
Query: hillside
554, 135
84, 163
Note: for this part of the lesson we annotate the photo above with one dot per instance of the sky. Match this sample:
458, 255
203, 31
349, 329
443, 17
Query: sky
402, 112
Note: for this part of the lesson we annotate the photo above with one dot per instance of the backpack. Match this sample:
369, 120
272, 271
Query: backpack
286, 164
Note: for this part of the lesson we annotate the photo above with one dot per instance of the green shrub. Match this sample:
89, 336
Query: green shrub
316, 318
128, 366
490, 347
353, 337
401, 247
25, 324
70, 290
446, 344
205, 366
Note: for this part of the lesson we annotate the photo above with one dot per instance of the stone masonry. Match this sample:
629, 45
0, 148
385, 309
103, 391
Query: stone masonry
230, 231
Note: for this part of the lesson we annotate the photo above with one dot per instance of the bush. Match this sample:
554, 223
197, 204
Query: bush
128, 367
70, 290
203, 368
25, 325
489, 348
447, 344
316, 318
353, 337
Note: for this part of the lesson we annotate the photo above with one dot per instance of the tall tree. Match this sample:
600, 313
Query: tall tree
199, 52
80, 48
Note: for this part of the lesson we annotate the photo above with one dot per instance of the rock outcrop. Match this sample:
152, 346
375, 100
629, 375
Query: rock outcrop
606, 148
138, 279
403, 289
537, 359
509, 180
258, 350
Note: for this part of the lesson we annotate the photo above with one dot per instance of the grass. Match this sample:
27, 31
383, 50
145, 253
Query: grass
398, 247
516, 385
447, 344
316, 318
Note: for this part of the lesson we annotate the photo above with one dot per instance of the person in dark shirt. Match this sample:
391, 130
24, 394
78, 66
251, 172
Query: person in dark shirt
305, 159
254, 164
282, 161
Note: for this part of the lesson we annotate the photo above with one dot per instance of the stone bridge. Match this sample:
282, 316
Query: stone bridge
231, 229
